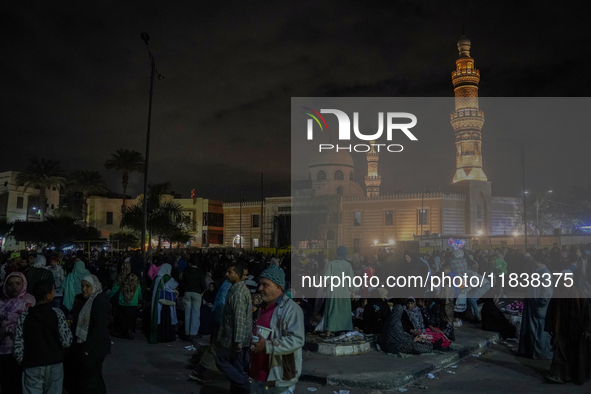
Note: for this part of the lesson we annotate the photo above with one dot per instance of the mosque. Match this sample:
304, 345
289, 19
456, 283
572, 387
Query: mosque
331, 209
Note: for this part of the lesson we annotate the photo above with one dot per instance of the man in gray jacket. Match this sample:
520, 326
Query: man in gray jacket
276, 358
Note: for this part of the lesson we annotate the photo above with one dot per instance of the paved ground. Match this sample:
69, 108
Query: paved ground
137, 367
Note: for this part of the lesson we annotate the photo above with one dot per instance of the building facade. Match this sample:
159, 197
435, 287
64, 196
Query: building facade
202, 217
335, 210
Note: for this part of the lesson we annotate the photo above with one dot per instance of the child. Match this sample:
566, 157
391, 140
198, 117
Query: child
42, 333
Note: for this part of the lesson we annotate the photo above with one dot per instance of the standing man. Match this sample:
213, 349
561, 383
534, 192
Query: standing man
276, 361
235, 332
337, 313
194, 282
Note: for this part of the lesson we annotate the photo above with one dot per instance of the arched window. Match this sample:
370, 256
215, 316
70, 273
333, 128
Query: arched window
340, 190
321, 176
338, 175
351, 176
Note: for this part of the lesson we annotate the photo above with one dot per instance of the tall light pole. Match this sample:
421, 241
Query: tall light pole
522, 150
153, 73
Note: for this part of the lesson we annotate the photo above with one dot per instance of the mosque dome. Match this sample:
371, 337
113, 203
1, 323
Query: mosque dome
464, 45
323, 159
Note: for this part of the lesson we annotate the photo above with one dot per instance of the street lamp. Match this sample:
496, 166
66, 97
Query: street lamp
153, 72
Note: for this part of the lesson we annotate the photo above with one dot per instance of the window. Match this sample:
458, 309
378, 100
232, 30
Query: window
339, 190
321, 176
20, 201
351, 176
51, 206
356, 218
256, 221
423, 216
109, 217
213, 219
338, 175
356, 245
255, 242
389, 218
54, 188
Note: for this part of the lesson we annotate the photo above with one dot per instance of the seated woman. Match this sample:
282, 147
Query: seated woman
396, 340
413, 323
436, 312
376, 313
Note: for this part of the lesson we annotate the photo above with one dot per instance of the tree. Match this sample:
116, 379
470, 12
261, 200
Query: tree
41, 174
126, 238
178, 236
55, 231
5, 227
127, 161
163, 215
88, 183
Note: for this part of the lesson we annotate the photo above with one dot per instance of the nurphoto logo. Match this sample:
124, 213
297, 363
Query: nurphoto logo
345, 129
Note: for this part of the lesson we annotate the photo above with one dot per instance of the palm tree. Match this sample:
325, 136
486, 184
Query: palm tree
88, 183
163, 215
41, 174
126, 161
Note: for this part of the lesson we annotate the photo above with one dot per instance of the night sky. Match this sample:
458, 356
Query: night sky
76, 79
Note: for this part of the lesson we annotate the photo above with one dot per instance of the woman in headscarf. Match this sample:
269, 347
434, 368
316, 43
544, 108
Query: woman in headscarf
414, 324
72, 283
15, 300
396, 340
375, 313
91, 339
206, 306
125, 296
163, 307
155, 267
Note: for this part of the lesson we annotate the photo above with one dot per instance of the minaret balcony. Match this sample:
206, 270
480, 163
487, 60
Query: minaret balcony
471, 112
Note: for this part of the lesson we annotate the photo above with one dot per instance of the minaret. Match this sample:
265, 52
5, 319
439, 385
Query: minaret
467, 120
372, 180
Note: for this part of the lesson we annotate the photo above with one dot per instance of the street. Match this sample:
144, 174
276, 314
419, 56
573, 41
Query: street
138, 367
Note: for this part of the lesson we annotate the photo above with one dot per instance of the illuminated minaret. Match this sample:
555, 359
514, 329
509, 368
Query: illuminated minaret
372, 180
467, 120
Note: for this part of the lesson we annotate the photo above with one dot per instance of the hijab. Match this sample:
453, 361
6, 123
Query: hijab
165, 269
415, 315
84, 318
128, 283
73, 282
10, 310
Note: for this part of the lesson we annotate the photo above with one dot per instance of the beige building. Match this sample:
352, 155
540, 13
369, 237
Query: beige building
204, 218
16, 203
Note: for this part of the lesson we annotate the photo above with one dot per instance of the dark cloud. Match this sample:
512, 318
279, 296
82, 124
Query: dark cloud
76, 77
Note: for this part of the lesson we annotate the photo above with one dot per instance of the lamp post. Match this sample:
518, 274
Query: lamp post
153, 73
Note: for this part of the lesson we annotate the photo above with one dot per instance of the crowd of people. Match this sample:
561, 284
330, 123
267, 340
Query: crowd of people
58, 311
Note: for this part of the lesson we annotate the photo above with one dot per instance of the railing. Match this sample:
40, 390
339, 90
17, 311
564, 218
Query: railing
465, 71
462, 113
507, 200
409, 196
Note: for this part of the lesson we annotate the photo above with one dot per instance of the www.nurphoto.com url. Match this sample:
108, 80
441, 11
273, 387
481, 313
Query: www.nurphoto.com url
433, 282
